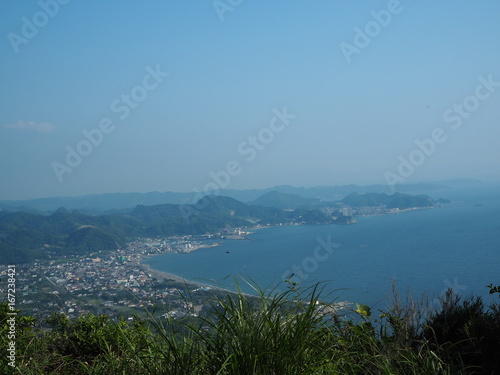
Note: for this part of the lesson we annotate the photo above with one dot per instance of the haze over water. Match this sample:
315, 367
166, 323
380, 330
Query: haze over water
426, 250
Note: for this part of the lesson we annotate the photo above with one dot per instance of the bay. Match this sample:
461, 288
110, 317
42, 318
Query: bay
429, 250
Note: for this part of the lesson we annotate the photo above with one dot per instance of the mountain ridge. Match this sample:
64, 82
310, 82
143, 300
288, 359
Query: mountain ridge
24, 235
98, 204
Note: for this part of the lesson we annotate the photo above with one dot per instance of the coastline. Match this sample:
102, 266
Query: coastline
161, 275
204, 246
236, 235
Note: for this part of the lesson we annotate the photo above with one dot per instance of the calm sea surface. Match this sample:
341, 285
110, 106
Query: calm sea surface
427, 250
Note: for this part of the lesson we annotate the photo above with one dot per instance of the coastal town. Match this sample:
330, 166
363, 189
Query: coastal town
115, 283
118, 282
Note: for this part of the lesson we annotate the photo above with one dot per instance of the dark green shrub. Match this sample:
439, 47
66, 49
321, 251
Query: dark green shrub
465, 333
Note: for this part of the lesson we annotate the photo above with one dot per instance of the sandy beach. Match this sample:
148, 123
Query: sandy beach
160, 275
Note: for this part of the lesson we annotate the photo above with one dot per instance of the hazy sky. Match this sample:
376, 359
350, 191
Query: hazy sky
130, 96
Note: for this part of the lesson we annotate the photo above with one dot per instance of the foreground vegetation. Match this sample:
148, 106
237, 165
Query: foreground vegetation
294, 332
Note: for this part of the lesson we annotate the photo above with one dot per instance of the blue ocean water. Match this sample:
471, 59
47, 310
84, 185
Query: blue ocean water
427, 250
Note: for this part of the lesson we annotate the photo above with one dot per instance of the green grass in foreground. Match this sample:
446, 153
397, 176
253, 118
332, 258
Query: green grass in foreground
294, 332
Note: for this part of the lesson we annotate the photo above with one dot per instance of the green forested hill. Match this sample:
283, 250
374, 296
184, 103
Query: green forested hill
396, 200
281, 200
25, 236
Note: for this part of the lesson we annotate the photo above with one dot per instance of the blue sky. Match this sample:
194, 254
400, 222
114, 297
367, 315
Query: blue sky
353, 118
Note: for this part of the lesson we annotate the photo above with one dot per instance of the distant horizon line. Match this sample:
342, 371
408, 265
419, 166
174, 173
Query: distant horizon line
423, 182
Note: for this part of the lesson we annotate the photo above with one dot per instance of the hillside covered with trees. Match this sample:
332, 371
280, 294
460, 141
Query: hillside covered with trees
26, 236
295, 332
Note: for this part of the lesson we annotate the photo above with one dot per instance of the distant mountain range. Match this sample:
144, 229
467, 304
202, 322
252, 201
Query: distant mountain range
97, 204
396, 200
25, 236
283, 201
